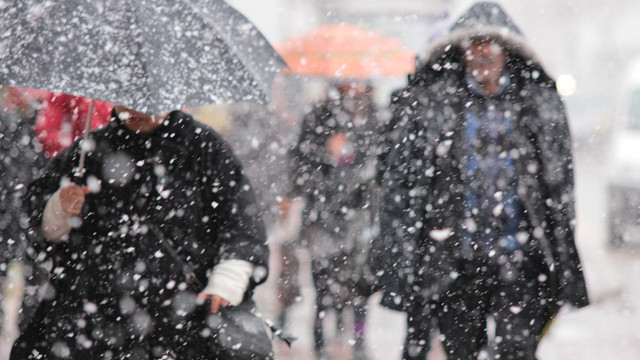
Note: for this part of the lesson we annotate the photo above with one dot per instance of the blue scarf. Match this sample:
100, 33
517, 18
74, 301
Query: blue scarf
492, 208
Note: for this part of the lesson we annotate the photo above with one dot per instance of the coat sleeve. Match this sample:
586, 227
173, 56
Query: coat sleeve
555, 153
412, 265
233, 209
40, 191
393, 254
390, 132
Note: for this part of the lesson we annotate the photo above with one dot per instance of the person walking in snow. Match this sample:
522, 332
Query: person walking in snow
116, 291
478, 208
333, 170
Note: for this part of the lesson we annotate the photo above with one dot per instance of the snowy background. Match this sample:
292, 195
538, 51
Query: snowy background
590, 42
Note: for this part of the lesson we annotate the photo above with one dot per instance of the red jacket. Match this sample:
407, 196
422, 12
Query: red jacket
62, 119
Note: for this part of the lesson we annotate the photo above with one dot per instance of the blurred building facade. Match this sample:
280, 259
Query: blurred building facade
409, 20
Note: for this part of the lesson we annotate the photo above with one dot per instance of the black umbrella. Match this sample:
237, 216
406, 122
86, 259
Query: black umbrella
152, 56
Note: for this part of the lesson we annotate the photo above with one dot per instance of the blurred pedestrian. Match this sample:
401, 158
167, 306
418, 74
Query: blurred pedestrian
478, 212
333, 168
62, 118
21, 160
155, 189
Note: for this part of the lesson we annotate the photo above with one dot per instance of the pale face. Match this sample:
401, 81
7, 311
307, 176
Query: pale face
486, 58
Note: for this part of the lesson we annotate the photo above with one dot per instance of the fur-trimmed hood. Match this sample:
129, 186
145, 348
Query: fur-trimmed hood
483, 19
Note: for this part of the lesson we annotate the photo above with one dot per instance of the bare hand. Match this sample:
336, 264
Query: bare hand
72, 198
284, 207
216, 301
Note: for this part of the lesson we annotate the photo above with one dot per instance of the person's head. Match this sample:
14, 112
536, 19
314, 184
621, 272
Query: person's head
353, 89
485, 57
137, 121
354, 94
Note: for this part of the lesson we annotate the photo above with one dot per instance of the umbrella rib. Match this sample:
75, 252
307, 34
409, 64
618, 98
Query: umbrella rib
246, 59
147, 38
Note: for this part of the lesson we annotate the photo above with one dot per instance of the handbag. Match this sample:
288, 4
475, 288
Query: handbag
237, 332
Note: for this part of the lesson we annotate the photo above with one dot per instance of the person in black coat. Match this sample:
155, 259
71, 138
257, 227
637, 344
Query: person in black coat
116, 291
333, 171
478, 217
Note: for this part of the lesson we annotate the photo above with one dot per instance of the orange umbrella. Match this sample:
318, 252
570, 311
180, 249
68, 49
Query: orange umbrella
345, 50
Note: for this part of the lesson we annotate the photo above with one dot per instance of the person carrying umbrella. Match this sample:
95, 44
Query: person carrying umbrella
333, 166
117, 208
116, 290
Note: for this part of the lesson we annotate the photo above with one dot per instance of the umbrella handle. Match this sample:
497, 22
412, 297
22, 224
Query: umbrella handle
79, 172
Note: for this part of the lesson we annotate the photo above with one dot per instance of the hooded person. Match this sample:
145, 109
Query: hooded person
116, 289
477, 216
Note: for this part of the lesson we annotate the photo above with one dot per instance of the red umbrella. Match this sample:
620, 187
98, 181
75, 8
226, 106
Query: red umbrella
344, 51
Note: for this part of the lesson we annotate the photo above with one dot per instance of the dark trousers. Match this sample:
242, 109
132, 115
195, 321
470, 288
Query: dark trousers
336, 289
515, 294
420, 326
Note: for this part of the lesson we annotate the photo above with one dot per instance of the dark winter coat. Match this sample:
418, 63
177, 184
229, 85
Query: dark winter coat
21, 161
337, 219
114, 288
330, 189
422, 220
